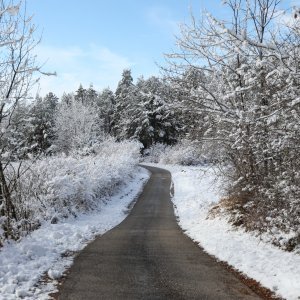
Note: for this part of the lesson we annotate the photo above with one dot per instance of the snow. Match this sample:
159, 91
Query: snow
13, 10
57, 186
196, 191
50, 249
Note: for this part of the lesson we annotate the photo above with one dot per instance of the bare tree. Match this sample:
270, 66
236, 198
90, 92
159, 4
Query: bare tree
76, 126
17, 66
247, 100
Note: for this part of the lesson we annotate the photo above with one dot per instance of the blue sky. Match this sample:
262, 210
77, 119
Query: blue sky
92, 41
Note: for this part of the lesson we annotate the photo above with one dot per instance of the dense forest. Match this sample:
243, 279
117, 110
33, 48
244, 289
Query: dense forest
230, 94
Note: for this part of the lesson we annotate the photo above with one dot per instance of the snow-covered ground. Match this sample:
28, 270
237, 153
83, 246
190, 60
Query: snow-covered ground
195, 193
45, 250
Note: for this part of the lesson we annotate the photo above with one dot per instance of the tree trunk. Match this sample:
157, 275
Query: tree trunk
7, 207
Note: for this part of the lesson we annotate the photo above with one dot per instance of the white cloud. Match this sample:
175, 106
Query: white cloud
74, 65
162, 17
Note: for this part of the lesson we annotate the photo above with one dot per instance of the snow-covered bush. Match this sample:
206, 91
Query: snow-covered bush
154, 153
184, 153
76, 125
53, 188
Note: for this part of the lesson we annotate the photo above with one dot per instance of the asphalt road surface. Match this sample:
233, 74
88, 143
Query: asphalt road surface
148, 257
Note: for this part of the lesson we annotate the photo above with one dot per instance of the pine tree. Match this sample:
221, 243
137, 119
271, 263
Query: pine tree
155, 120
91, 96
43, 114
106, 108
125, 97
81, 95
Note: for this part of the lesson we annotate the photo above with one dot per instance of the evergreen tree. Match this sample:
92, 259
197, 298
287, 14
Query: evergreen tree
81, 95
154, 119
125, 97
106, 108
43, 114
67, 98
91, 96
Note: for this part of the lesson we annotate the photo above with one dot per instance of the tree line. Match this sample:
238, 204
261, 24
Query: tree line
143, 111
47, 126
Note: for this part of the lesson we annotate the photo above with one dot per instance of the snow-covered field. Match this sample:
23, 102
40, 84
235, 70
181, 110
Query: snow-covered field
45, 250
195, 193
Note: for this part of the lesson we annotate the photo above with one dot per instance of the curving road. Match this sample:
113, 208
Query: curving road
148, 257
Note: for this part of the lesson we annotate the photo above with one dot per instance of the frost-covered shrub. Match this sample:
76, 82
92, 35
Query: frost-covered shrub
76, 125
154, 153
53, 188
184, 153
272, 212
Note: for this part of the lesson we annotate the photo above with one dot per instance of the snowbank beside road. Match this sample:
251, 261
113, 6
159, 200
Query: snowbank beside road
56, 187
195, 193
46, 249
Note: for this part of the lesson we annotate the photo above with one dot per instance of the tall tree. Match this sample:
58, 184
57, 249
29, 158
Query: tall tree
81, 95
243, 98
153, 119
43, 114
125, 96
91, 95
106, 108
17, 65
